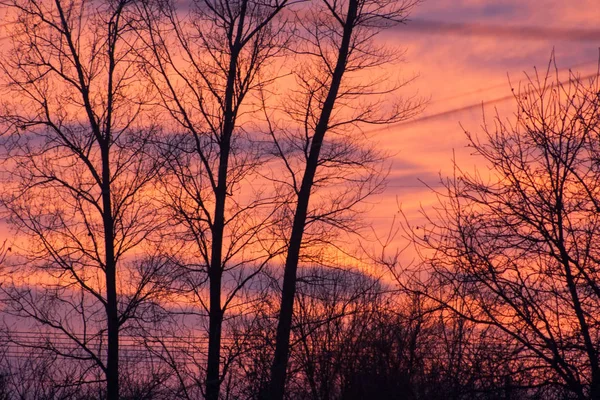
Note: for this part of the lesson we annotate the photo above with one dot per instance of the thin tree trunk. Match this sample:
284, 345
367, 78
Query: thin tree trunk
112, 364
215, 272
213, 378
282, 341
112, 311
578, 307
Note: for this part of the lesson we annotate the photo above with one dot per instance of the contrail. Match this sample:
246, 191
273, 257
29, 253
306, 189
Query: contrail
469, 107
520, 32
503, 84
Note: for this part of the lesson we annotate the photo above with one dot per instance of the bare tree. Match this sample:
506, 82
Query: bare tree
205, 68
77, 189
336, 42
337, 310
516, 250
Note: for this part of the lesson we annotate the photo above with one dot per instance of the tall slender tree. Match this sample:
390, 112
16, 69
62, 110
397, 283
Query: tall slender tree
205, 67
332, 99
75, 146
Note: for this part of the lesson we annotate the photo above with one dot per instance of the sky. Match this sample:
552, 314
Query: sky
463, 53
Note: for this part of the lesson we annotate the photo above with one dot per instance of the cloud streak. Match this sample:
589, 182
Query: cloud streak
505, 31
469, 107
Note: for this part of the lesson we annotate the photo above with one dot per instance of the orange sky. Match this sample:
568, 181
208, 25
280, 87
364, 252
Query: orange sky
463, 52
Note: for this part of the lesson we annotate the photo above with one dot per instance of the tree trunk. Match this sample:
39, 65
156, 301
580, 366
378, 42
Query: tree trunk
282, 341
213, 378
112, 363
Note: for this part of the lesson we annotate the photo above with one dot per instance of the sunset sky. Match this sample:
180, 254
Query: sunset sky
464, 52
184, 181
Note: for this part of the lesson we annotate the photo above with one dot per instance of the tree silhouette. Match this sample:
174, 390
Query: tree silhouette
76, 133
516, 250
205, 68
336, 39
